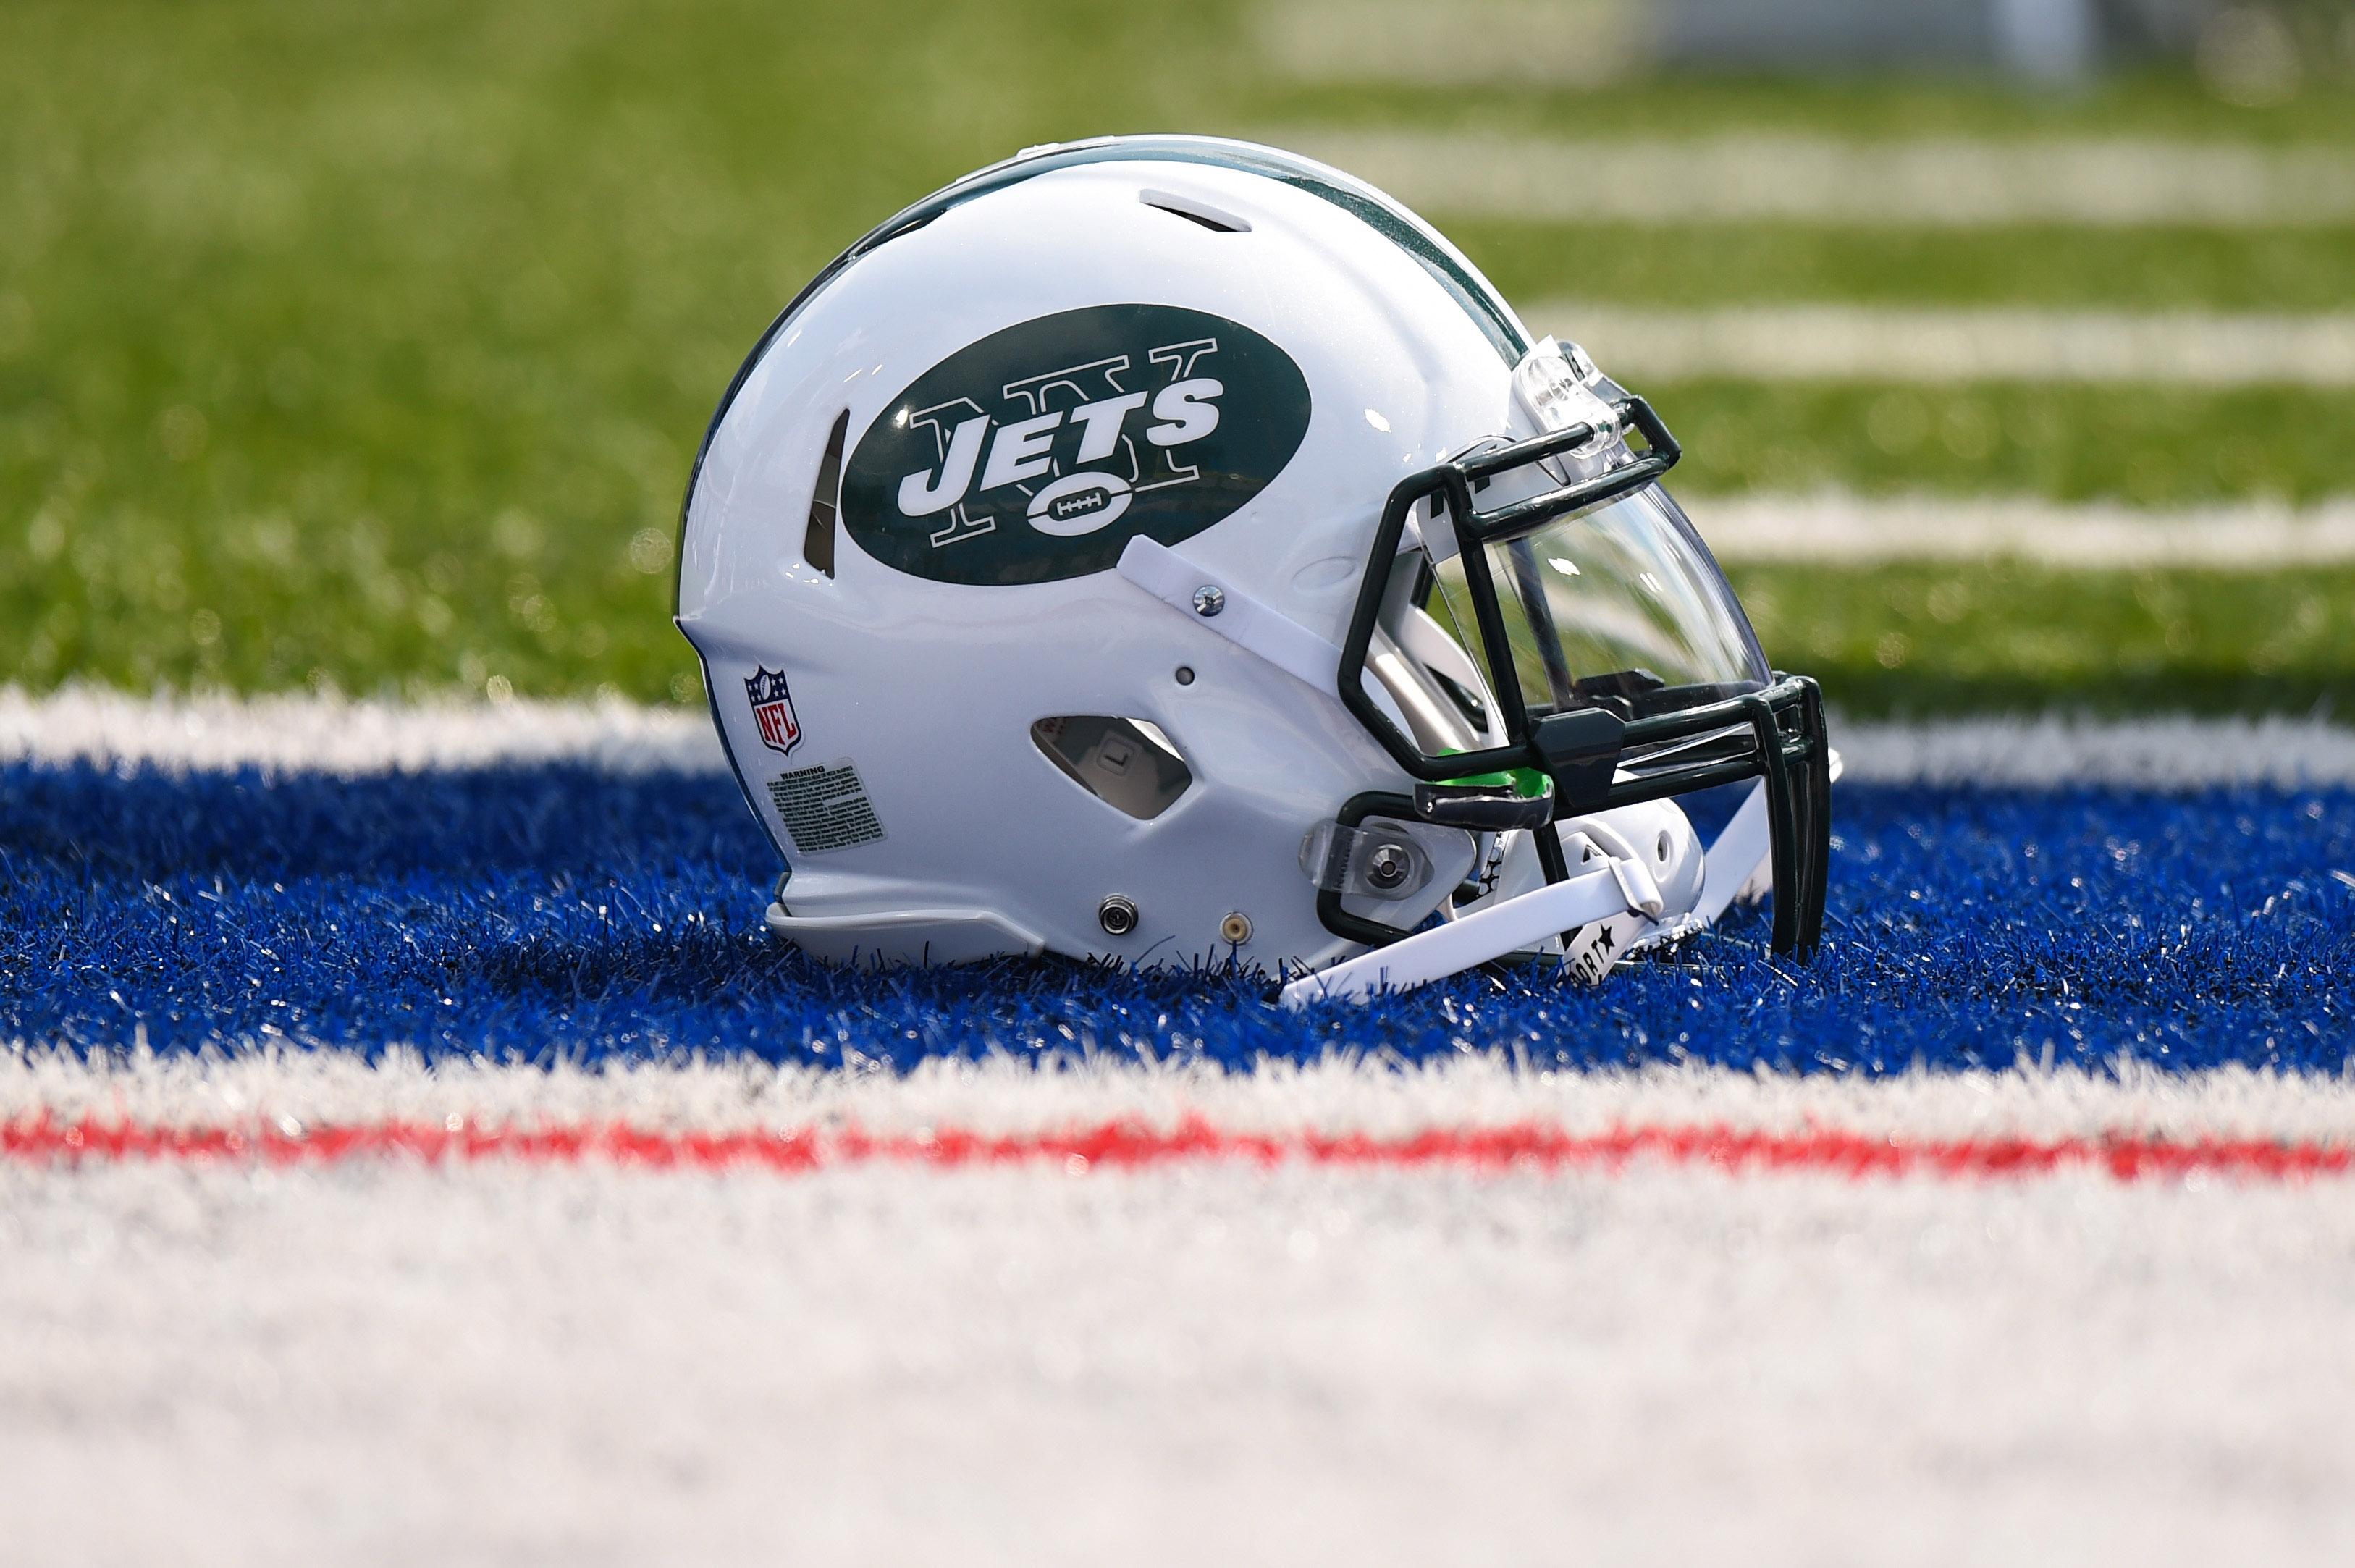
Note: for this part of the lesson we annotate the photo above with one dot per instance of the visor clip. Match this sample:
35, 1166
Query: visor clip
1480, 808
1580, 750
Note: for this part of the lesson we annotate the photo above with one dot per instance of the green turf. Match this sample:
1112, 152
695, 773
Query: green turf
2266, 269
1923, 639
370, 343
2144, 445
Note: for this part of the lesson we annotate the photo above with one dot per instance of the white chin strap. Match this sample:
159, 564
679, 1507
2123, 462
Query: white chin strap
1619, 890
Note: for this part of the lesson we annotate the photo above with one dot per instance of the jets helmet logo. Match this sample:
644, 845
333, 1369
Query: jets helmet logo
1040, 451
773, 709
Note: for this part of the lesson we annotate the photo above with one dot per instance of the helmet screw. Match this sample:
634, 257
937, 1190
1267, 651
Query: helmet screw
1209, 598
1117, 915
1236, 929
1387, 866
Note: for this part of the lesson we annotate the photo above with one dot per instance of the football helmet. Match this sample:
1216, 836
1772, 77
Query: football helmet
1170, 549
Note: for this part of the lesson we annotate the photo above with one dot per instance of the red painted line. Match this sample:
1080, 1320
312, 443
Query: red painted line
1129, 1144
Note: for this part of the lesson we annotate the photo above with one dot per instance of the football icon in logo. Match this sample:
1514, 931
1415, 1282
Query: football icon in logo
773, 709
1079, 504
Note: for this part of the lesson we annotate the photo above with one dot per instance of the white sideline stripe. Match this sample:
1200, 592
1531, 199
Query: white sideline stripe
2055, 751
1834, 529
1010, 1097
1751, 178
1863, 343
310, 734
298, 731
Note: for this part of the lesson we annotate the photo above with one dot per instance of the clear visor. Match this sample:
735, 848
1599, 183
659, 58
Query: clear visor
1617, 607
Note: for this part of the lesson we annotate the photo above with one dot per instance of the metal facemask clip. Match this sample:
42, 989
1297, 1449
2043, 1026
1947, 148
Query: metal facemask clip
1380, 860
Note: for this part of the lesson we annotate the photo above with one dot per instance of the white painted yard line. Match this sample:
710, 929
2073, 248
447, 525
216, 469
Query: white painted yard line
336, 735
388, 1364
311, 734
1863, 343
1836, 529
298, 1090
1752, 177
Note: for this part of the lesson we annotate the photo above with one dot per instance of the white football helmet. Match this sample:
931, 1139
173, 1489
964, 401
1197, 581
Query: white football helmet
1170, 549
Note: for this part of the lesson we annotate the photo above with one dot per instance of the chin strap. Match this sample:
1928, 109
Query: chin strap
1733, 866
1620, 888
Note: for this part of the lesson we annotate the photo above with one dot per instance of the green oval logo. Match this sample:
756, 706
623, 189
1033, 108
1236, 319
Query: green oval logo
1039, 451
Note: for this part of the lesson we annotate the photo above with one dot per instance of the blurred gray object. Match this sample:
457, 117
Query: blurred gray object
2058, 39
1578, 41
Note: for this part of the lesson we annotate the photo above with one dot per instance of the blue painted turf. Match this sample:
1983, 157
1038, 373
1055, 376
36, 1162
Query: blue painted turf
557, 911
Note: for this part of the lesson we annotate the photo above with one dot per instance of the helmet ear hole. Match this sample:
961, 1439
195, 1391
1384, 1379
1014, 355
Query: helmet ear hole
818, 540
1128, 763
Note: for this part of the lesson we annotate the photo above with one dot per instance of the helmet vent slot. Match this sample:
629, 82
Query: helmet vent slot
817, 541
1194, 211
1127, 763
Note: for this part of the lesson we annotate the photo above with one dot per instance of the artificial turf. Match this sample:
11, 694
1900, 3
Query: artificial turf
369, 344
560, 910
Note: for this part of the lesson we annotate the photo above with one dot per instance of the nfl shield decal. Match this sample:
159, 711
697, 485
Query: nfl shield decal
773, 709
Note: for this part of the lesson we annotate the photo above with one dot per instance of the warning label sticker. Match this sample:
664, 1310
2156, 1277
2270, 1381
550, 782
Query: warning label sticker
826, 808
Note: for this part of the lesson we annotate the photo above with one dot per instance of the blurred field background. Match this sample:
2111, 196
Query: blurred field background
366, 346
